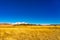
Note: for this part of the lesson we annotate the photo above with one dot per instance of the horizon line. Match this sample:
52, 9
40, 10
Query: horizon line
27, 23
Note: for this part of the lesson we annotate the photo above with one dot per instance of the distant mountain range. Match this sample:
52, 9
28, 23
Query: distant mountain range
23, 23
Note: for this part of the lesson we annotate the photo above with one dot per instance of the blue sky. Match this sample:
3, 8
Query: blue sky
32, 11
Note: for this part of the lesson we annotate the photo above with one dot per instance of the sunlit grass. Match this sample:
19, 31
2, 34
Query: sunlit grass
29, 33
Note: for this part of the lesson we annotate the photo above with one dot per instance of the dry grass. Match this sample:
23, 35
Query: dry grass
29, 33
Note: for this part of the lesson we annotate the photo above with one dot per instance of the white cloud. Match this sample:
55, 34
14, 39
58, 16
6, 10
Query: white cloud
19, 23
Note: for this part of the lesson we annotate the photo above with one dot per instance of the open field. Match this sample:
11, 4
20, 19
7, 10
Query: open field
9, 32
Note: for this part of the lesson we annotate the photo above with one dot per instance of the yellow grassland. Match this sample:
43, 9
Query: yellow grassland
10, 32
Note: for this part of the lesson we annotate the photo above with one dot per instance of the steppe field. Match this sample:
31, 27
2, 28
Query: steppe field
27, 32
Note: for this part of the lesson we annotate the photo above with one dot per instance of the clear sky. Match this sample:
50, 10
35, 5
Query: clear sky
32, 11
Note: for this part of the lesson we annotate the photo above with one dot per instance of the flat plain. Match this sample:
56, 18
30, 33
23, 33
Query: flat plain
28, 32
